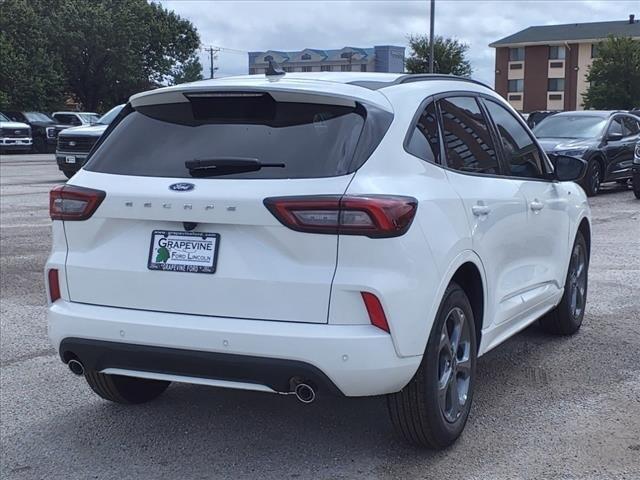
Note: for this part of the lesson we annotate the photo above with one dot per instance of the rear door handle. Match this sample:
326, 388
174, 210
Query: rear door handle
480, 210
536, 205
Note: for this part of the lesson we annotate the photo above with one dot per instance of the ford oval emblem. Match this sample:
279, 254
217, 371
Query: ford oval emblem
182, 187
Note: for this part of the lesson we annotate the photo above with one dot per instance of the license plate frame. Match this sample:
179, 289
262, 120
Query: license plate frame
184, 265
70, 159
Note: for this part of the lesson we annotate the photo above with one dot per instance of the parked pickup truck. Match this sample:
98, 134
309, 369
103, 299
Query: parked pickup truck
14, 136
75, 143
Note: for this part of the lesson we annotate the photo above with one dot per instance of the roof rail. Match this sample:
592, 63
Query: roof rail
415, 77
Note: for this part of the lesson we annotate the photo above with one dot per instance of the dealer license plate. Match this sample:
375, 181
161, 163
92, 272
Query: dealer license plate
194, 252
70, 159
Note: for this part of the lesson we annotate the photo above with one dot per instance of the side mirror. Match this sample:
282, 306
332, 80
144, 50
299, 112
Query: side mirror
568, 169
614, 137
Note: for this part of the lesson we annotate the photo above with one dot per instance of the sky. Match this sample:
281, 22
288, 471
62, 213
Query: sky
241, 26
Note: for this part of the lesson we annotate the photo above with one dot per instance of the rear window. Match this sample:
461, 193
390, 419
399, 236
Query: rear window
310, 139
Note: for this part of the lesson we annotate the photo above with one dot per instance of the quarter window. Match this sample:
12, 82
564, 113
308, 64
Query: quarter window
616, 126
631, 126
424, 141
467, 141
521, 154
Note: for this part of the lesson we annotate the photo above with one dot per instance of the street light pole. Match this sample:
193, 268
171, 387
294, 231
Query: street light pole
431, 29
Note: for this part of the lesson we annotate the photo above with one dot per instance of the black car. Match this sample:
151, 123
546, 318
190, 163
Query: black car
605, 139
44, 129
636, 171
534, 118
75, 143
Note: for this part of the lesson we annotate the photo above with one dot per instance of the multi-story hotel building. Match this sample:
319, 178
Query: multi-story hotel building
381, 58
545, 67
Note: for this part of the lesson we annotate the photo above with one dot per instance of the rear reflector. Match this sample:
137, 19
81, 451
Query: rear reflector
69, 202
375, 311
54, 285
375, 216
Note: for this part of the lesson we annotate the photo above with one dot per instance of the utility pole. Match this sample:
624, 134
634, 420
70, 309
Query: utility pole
431, 36
211, 51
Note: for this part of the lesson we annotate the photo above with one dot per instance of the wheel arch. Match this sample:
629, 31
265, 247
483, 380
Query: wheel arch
467, 271
585, 229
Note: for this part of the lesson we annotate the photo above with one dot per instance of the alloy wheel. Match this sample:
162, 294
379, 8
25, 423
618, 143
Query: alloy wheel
595, 178
454, 365
578, 280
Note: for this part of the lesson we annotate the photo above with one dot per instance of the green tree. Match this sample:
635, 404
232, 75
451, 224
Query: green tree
189, 71
100, 51
30, 73
614, 76
449, 56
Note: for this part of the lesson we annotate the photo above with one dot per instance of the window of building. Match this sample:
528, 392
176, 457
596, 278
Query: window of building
556, 52
424, 141
306, 69
516, 54
594, 50
468, 144
345, 68
515, 85
515, 66
555, 85
522, 157
288, 69
325, 68
363, 67
306, 56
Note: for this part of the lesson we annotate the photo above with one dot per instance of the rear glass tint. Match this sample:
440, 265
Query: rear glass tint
311, 140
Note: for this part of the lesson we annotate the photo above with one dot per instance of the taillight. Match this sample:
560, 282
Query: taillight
54, 285
375, 216
69, 202
375, 311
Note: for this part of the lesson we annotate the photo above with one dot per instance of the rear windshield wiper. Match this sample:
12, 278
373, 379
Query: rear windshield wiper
226, 165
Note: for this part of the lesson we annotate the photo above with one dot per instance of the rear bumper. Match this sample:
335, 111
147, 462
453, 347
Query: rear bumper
355, 360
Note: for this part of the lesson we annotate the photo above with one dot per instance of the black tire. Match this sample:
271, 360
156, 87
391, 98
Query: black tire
125, 390
39, 145
416, 412
592, 179
566, 318
636, 188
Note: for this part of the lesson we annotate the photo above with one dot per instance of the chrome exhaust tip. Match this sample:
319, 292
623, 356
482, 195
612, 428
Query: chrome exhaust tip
305, 393
76, 367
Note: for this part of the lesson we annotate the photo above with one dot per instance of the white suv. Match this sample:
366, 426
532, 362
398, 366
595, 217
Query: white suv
361, 234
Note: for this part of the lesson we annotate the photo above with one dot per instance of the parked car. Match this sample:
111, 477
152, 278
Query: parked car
44, 130
75, 119
534, 118
636, 171
14, 136
254, 233
602, 138
75, 143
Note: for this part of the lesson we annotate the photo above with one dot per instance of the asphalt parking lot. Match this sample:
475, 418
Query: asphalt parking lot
545, 407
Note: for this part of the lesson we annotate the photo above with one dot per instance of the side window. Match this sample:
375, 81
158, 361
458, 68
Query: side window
631, 126
615, 126
424, 142
467, 140
521, 154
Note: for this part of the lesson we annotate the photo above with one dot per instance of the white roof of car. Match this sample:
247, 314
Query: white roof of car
318, 85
